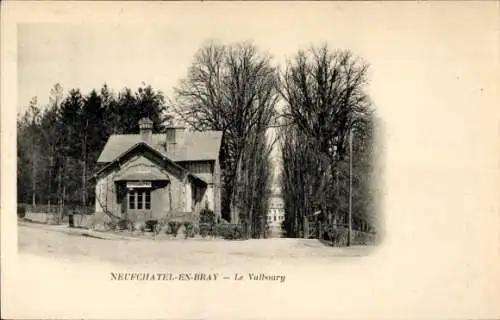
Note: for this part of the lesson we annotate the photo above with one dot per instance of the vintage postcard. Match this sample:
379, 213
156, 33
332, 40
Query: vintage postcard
250, 160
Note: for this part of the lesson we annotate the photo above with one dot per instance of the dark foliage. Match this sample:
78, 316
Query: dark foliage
190, 229
207, 216
59, 144
173, 228
230, 231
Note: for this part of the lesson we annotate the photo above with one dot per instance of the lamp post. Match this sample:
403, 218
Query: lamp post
349, 234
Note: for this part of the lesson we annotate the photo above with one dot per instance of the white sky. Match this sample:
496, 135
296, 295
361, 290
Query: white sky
393, 39
418, 59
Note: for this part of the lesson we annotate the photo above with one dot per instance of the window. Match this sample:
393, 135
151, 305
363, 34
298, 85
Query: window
274, 218
139, 199
131, 200
147, 204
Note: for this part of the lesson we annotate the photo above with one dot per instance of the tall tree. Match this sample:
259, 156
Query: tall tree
325, 99
324, 94
229, 88
124, 114
92, 136
48, 130
70, 146
28, 151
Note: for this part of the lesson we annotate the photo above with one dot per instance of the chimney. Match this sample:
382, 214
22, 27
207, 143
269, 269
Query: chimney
146, 129
175, 137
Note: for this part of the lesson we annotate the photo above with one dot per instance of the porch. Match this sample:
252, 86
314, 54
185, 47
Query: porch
160, 199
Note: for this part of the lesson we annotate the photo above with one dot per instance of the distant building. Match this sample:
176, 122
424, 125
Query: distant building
150, 176
276, 214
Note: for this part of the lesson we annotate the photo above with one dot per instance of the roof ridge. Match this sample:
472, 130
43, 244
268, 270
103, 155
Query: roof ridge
197, 145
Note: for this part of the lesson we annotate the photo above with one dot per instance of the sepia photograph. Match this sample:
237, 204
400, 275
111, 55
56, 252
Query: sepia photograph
277, 154
172, 159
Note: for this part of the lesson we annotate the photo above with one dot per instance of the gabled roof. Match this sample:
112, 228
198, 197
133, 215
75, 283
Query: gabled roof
196, 146
142, 172
130, 149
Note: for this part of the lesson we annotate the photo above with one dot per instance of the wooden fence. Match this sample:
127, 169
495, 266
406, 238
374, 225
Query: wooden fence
56, 208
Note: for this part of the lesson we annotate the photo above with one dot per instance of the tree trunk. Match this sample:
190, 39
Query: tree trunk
84, 173
33, 181
50, 183
59, 193
63, 194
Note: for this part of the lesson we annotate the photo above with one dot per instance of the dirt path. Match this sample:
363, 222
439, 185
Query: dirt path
59, 242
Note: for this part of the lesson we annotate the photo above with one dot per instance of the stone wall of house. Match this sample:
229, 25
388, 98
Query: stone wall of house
208, 198
106, 199
177, 194
159, 201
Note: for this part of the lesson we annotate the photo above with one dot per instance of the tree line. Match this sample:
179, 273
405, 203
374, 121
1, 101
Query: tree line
326, 105
234, 88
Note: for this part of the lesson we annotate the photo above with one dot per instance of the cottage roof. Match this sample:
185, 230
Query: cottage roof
130, 149
142, 172
153, 173
196, 146
206, 177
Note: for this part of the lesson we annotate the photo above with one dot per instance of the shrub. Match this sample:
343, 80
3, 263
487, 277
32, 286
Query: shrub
207, 216
189, 227
173, 227
151, 225
229, 231
205, 229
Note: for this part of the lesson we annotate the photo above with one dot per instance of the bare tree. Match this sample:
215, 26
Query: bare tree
233, 89
324, 99
324, 93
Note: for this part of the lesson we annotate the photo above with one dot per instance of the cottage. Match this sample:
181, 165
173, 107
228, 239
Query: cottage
150, 176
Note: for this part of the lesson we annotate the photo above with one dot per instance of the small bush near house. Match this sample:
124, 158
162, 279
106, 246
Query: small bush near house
229, 231
151, 225
173, 227
207, 216
189, 227
204, 230
21, 211
208, 229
